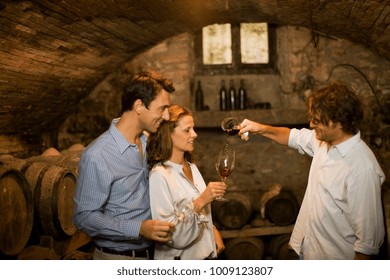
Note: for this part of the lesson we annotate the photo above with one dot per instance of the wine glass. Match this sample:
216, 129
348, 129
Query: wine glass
183, 211
225, 164
231, 126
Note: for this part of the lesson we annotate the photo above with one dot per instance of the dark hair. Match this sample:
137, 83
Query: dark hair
337, 103
159, 148
144, 86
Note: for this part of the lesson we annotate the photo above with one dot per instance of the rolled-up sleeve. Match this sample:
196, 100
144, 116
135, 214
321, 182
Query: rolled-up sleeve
366, 211
302, 140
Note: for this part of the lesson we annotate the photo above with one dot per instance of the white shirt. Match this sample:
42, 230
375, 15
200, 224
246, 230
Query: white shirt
171, 196
342, 210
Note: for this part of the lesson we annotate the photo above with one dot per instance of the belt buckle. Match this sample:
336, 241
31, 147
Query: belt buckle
146, 255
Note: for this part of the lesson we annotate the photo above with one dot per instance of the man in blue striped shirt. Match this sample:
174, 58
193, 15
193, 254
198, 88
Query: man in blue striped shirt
112, 196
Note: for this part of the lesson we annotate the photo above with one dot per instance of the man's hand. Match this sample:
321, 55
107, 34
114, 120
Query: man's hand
157, 230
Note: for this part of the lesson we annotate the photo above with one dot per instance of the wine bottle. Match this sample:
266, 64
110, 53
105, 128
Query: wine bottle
241, 96
223, 97
199, 98
232, 96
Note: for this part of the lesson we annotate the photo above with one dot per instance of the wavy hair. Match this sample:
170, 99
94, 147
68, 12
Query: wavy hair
160, 146
337, 103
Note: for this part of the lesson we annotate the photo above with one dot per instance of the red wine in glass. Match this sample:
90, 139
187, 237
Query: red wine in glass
230, 127
224, 164
233, 131
224, 171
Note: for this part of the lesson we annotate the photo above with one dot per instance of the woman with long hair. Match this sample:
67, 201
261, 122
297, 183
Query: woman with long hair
178, 192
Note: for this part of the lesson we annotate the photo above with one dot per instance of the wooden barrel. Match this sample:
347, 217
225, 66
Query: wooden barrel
282, 209
279, 248
78, 255
69, 161
53, 198
272, 191
68, 158
45, 250
244, 248
16, 211
75, 148
53, 189
234, 213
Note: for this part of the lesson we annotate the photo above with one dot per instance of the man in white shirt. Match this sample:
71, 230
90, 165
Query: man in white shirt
341, 215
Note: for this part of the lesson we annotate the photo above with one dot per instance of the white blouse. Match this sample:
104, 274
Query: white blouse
171, 196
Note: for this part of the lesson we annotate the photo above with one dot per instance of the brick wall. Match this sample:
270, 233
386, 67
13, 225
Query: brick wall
260, 163
298, 61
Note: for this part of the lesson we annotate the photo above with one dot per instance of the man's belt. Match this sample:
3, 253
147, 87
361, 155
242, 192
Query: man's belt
136, 253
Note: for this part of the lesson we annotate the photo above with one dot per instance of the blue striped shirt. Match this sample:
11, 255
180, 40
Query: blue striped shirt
112, 194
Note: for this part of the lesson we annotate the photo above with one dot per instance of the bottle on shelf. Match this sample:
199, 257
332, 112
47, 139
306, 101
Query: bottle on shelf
223, 98
242, 102
199, 98
232, 96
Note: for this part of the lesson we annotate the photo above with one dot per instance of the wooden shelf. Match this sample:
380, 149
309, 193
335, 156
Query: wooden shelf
283, 116
257, 231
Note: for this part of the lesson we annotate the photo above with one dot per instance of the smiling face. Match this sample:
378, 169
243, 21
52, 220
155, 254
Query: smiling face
330, 133
335, 113
174, 140
183, 135
152, 117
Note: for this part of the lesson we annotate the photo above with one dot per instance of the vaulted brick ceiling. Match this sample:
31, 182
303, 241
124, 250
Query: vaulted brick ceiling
53, 52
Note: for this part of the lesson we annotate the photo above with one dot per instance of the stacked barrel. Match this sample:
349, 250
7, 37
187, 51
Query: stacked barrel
36, 196
16, 214
274, 207
37, 204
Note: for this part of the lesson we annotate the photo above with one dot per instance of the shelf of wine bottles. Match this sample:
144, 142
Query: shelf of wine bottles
269, 116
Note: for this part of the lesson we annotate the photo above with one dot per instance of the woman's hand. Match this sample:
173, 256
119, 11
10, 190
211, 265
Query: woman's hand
212, 191
218, 241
